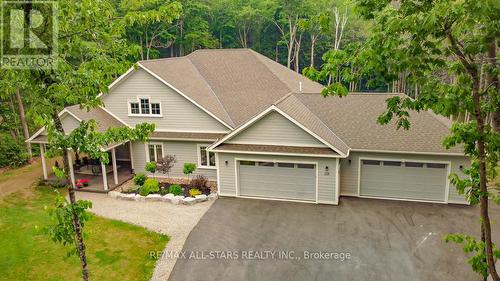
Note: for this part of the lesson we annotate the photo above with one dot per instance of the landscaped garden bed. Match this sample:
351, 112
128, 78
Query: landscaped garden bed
176, 191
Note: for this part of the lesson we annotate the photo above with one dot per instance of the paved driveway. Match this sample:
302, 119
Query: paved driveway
386, 240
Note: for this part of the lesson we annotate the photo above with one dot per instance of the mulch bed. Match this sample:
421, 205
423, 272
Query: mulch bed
185, 187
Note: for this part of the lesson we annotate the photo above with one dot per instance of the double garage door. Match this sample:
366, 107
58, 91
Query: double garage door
403, 180
281, 180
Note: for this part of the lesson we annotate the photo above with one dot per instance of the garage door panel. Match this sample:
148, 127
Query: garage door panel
277, 182
417, 183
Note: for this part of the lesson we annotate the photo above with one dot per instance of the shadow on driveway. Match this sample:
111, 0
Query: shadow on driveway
386, 240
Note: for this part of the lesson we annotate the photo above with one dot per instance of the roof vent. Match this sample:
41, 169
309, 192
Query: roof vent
300, 86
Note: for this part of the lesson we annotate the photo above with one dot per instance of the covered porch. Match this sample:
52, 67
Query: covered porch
92, 175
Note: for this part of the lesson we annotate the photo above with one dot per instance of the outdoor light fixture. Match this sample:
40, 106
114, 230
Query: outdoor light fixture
461, 167
227, 163
349, 161
326, 169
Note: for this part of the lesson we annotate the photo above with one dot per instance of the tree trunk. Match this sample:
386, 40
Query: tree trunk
71, 192
485, 219
313, 45
495, 84
22, 117
181, 48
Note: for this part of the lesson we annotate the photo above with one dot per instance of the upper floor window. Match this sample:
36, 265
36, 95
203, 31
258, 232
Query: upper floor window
144, 106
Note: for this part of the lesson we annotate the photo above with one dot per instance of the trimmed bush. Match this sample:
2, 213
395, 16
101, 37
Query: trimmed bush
194, 191
201, 183
150, 167
150, 186
139, 179
175, 189
188, 169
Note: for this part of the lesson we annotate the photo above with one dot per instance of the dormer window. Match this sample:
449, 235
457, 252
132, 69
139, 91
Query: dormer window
144, 107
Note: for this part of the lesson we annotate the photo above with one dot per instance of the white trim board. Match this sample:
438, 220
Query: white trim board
275, 153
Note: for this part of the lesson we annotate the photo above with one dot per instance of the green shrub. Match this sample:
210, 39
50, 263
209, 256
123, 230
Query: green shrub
175, 189
12, 153
194, 191
151, 167
139, 179
150, 186
188, 169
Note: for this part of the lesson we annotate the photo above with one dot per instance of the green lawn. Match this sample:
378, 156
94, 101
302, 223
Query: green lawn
115, 250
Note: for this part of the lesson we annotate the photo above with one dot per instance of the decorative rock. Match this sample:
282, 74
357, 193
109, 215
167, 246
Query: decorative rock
201, 198
139, 197
154, 197
169, 195
180, 197
189, 201
130, 196
114, 194
175, 201
213, 196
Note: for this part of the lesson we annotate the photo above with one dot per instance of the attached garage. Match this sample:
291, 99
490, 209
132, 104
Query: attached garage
277, 180
408, 180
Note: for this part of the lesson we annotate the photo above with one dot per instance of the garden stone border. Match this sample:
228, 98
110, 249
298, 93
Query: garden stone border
170, 198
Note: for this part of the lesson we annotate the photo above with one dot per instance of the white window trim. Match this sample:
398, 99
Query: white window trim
138, 100
198, 149
154, 143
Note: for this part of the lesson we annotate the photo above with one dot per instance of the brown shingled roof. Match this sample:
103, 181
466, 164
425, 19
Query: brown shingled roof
104, 119
277, 149
354, 119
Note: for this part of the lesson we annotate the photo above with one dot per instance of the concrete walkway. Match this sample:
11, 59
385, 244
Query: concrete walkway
385, 240
176, 221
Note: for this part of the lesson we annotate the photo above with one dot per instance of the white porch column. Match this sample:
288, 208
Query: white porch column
71, 172
104, 177
115, 171
44, 164
131, 155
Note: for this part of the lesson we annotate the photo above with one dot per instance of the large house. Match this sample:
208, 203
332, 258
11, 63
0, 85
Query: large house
261, 130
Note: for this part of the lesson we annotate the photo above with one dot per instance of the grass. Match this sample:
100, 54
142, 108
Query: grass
115, 250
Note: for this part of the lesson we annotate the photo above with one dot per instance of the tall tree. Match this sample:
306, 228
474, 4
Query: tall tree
150, 22
428, 42
91, 52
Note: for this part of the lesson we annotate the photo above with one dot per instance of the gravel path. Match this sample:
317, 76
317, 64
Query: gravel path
176, 221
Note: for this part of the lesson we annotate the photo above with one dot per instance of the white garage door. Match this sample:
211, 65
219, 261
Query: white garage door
280, 180
403, 180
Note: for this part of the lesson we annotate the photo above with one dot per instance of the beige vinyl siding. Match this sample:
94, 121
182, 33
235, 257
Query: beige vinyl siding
185, 152
275, 129
178, 113
69, 123
326, 180
349, 172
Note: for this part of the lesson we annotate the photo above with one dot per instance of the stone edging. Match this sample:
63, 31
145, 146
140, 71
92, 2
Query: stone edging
176, 200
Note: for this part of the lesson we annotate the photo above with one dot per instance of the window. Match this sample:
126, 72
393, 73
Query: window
155, 152
305, 166
155, 108
266, 164
286, 165
371, 162
206, 158
436, 165
134, 108
414, 164
247, 163
392, 163
145, 107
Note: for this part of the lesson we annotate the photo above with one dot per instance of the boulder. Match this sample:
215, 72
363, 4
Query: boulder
154, 197
175, 200
213, 196
130, 197
188, 201
200, 198
139, 197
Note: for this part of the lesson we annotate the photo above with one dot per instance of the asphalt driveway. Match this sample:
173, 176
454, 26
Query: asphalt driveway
360, 239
